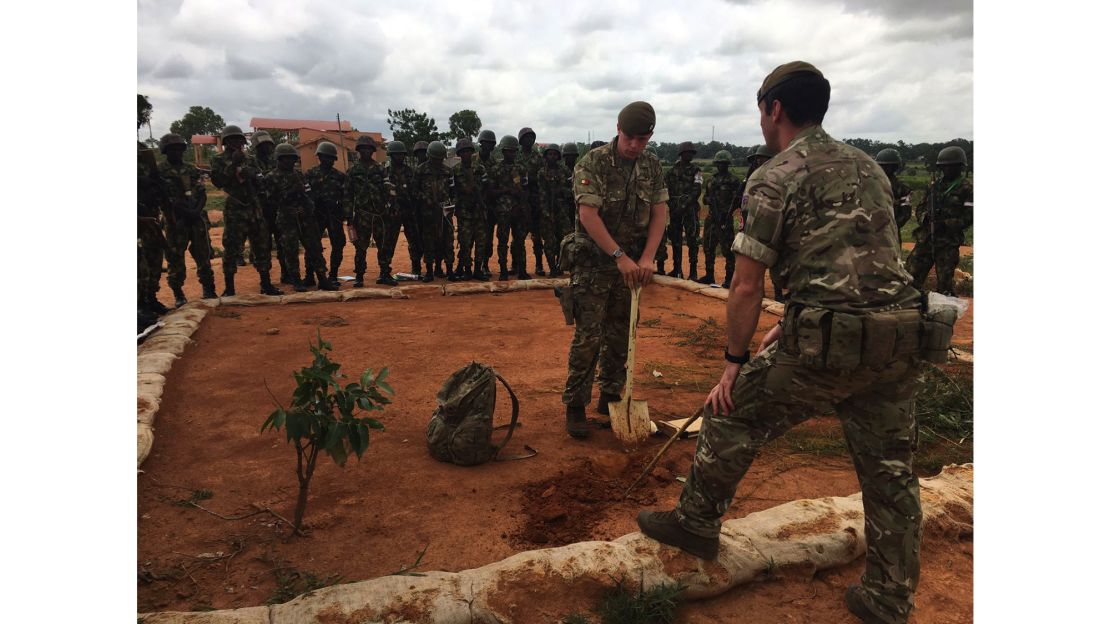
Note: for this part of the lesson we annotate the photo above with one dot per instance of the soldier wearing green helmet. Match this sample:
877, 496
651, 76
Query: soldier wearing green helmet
238, 175
470, 210
758, 155
152, 243
420, 152
328, 185
891, 161
487, 142
186, 220
570, 159
290, 193
435, 204
508, 186
722, 198
944, 214
367, 210
262, 158
551, 223
530, 158
684, 184
400, 185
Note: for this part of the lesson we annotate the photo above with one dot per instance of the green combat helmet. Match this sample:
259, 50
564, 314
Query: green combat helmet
396, 147
686, 146
759, 150
231, 131
552, 147
262, 137
285, 149
420, 145
170, 139
462, 145
952, 155
487, 135
326, 148
723, 156
509, 142
596, 144
366, 141
436, 149
889, 156
570, 149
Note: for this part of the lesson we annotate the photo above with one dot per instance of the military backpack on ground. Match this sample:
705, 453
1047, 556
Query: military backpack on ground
461, 429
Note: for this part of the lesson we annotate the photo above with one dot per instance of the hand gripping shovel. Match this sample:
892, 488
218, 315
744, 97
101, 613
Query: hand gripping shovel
629, 417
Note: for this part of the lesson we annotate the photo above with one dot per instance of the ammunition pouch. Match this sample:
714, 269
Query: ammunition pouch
936, 334
824, 339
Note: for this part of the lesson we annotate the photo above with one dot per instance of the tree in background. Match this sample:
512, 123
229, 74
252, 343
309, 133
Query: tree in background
199, 120
465, 124
409, 126
144, 111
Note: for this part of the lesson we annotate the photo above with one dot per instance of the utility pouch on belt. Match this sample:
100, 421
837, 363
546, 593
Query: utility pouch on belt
845, 341
811, 336
566, 301
567, 252
936, 334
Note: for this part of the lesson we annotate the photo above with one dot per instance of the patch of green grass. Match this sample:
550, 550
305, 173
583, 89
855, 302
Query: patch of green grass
679, 375
811, 443
944, 408
653, 606
215, 202
967, 263
705, 338
575, 618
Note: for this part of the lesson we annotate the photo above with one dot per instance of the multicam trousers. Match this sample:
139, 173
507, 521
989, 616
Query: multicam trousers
299, 229
602, 305
192, 236
242, 222
772, 394
945, 255
719, 233
472, 238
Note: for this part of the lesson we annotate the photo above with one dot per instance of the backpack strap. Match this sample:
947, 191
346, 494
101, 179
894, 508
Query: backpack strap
512, 421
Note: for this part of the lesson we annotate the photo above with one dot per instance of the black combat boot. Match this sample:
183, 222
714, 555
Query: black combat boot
663, 526
693, 264
358, 280
439, 269
386, 278
298, 285
309, 278
708, 278
857, 603
522, 274
480, 273
156, 306
728, 278
325, 283
603, 401
208, 290
539, 265
504, 273
241, 261
659, 268
576, 422
429, 272
179, 298
676, 270
333, 275
267, 287
229, 284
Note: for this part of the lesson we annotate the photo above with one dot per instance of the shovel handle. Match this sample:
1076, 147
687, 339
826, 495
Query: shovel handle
655, 460
630, 362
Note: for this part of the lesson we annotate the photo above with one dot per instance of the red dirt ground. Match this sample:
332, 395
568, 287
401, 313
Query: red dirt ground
376, 515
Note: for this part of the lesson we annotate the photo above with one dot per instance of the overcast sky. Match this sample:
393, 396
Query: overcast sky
900, 69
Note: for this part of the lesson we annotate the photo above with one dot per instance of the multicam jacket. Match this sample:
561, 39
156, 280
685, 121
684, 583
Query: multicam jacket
722, 196
820, 216
684, 182
947, 216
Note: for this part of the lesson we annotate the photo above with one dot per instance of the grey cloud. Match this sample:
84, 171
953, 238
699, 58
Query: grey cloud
174, 67
241, 68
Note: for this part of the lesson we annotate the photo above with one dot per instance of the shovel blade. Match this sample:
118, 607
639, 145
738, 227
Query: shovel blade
630, 421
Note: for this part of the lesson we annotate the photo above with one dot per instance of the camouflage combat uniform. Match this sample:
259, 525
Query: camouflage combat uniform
551, 224
510, 210
186, 224
684, 183
264, 167
328, 187
624, 193
152, 245
401, 184
368, 211
434, 189
470, 209
531, 162
903, 209
290, 195
820, 214
243, 217
722, 197
491, 203
944, 214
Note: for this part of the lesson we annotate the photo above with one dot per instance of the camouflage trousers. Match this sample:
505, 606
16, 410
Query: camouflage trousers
684, 221
601, 315
718, 233
274, 243
300, 230
192, 236
384, 231
661, 251
332, 224
550, 227
944, 254
535, 218
515, 223
415, 242
150, 254
438, 240
472, 238
772, 394
242, 222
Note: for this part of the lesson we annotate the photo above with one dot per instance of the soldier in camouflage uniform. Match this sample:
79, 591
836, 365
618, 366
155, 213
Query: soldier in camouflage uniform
261, 157
944, 214
401, 184
487, 142
551, 223
420, 153
470, 209
186, 220
238, 175
759, 155
722, 198
570, 159
508, 185
369, 217
891, 161
684, 186
328, 185
152, 244
435, 203
290, 194
531, 160
848, 342
621, 199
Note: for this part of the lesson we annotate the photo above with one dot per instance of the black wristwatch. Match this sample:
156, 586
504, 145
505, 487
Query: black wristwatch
738, 359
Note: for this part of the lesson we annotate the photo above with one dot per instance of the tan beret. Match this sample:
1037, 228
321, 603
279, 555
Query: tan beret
637, 118
783, 73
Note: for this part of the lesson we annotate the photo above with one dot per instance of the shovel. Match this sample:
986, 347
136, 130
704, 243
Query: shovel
629, 417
